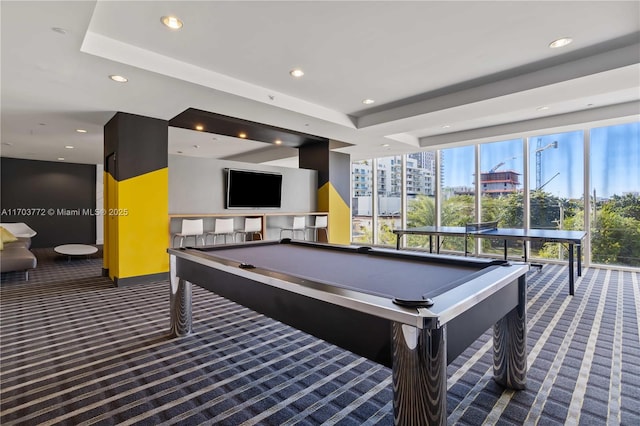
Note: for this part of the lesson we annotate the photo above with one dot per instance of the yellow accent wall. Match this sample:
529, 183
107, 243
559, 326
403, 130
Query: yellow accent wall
138, 225
105, 223
339, 214
110, 260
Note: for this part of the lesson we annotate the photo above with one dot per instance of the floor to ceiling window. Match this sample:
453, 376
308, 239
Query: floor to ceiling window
421, 205
556, 197
556, 187
362, 201
457, 193
615, 194
501, 184
389, 191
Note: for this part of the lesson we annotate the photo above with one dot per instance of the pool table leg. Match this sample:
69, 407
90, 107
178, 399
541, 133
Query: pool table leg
180, 303
419, 369
510, 344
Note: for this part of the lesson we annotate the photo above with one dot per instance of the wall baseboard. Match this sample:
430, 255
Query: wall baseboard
141, 279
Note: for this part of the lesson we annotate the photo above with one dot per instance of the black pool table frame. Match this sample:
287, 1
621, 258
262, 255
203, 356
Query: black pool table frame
417, 343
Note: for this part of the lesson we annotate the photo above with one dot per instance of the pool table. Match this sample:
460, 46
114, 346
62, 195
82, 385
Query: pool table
413, 312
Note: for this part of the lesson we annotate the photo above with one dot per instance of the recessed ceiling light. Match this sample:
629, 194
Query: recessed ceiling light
59, 30
179, 152
278, 142
296, 72
446, 126
590, 105
69, 146
171, 22
242, 135
7, 143
42, 124
561, 42
542, 108
200, 127
81, 131
118, 78
368, 101
196, 146
61, 158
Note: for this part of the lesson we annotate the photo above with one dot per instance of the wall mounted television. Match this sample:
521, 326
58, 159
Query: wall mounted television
250, 189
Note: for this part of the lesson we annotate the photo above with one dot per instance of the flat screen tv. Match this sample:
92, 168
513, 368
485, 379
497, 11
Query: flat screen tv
249, 189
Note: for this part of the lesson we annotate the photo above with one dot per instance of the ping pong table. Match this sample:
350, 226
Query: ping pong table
490, 230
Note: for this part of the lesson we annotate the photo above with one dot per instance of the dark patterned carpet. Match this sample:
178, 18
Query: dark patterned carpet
75, 350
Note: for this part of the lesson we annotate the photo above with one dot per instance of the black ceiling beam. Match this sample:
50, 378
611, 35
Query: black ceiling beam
234, 127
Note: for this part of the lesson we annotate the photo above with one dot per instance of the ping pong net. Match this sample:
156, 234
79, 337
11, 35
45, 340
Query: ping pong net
480, 227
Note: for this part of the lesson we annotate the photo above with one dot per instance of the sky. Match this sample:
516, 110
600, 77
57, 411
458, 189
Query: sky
615, 161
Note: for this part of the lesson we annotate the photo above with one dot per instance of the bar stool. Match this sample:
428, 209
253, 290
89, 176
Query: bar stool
320, 223
252, 225
190, 228
222, 227
299, 225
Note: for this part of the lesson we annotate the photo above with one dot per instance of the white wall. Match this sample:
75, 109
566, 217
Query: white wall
196, 185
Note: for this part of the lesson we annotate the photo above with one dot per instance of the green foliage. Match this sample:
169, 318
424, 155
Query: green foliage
386, 237
364, 237
626, 205
362, 232
458, 210
421, 212
544, 210
512, 212
506, 210
616, 238
492, 208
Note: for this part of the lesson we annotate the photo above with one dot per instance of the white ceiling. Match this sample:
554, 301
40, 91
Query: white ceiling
481, 68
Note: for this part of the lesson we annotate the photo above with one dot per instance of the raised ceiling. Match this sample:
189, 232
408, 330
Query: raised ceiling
439, 72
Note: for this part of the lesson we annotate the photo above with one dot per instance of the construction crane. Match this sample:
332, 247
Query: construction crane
539, 150
497, 166
552, 178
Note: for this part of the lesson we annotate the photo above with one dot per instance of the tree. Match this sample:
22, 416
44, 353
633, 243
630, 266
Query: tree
505, 210
627, 205
616, 238
544, 210
421, 211
458, 210
512, 211
386, 237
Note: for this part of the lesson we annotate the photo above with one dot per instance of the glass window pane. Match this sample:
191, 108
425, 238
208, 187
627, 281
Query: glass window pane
389, 186
615, 195
501, 176
421, 206
556, 182
458, 192
361, 203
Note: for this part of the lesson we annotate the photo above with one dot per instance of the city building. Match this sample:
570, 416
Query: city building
496, 183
